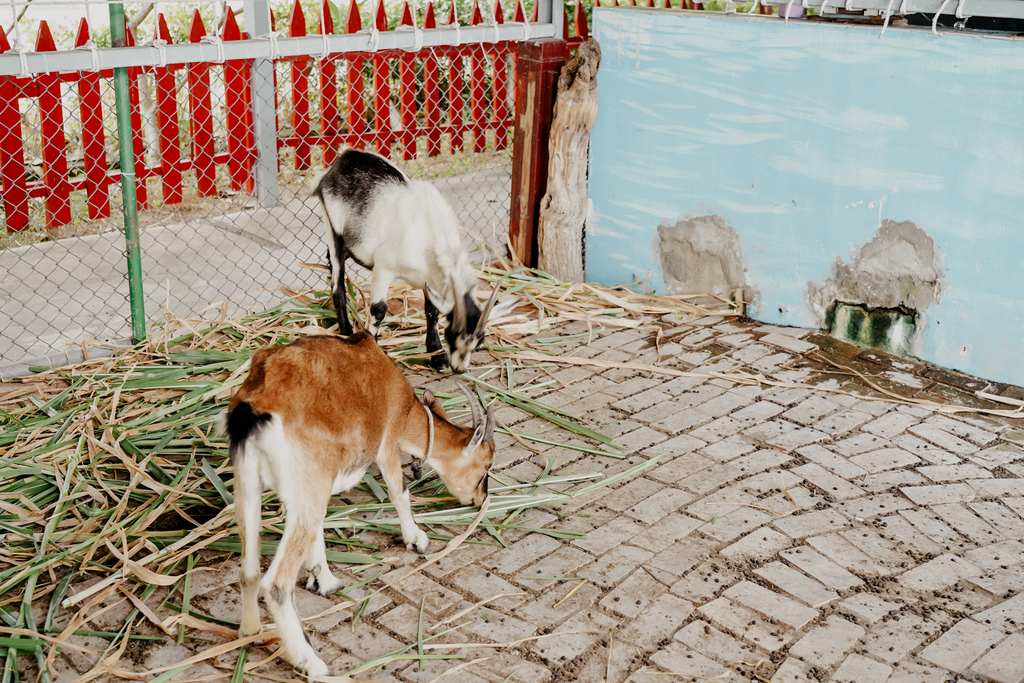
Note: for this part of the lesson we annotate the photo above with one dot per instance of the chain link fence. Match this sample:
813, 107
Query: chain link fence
211, 241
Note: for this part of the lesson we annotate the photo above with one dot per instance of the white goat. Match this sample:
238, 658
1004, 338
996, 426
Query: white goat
402, 229
307, 422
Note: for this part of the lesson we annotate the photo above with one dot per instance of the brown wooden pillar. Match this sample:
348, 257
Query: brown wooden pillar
538, 65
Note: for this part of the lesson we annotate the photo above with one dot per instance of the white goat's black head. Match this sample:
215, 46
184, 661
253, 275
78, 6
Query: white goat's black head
467, 324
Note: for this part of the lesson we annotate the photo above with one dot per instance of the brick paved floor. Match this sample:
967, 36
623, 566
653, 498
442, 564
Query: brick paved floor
785, 535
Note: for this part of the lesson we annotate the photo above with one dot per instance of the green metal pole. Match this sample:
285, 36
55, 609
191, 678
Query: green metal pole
131, 207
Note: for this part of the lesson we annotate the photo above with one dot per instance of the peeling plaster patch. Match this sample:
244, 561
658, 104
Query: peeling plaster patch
701, 254
877, 299
898, 268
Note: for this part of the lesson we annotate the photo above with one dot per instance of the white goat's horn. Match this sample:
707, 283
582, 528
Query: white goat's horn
487, 310
459, 307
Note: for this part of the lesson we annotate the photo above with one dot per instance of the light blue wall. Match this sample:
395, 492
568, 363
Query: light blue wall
804, 137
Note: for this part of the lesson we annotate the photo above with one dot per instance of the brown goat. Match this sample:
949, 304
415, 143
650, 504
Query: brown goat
307, 422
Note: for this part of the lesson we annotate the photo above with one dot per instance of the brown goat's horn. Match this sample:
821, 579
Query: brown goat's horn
474, 404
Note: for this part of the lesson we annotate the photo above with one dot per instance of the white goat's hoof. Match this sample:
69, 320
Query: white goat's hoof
329, 585
421, 544
314, 666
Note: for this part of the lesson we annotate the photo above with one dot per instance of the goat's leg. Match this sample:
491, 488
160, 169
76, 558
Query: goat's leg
336, 252
437, 362
390, 463
248, 490
379, 283
321, 578
304, 517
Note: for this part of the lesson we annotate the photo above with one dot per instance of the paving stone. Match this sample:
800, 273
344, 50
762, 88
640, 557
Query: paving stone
563, 562
998, 555
824, 646
746, 624
1000, 581
926, 451
787, 342
792, 439
1002, 519
762, 544
930, 524
670, 449
437, 598
705, 581
1003, 664
836, 548
943, 439
772, 605
837, 464
943, 473
939, 493
637, 402
891, 424
722, 473
606, 537
811, 523
841, 422
728, 449
830, 574
712, 643
833, 485
901, 532
658, 506
791, 671
893, 479
909, 672
885, 459
797, 584
481, 584
972, 433
701, 412
965, 521
495, 627
734, 524
765, 432
1007, 615
659, 620
683, 661
997, 487
671, 529
876, 547
868, 607
521, 553
873, 505
961, 645
860, 443
633, 595
630, 493
860, 669
365, 642
943, 571
893, 640
681, 557
568, 646
679, 467
721, 502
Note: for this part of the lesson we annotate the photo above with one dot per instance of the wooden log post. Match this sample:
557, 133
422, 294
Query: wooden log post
563, 211
537, 67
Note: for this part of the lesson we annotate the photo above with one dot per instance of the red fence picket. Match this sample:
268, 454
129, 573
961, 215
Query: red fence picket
431, 91
167, 121
407, 92
354, 81
239, 117
328, 92
12, 151
300, 91
94, 152
200, 109
51, 125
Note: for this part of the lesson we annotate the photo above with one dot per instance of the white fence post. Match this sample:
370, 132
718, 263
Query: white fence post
264, 115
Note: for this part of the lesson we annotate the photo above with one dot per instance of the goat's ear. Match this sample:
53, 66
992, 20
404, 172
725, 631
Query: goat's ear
479, 435
444, 307
499, 309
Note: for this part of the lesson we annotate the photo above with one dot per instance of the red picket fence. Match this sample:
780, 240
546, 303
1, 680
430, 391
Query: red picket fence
345, 108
